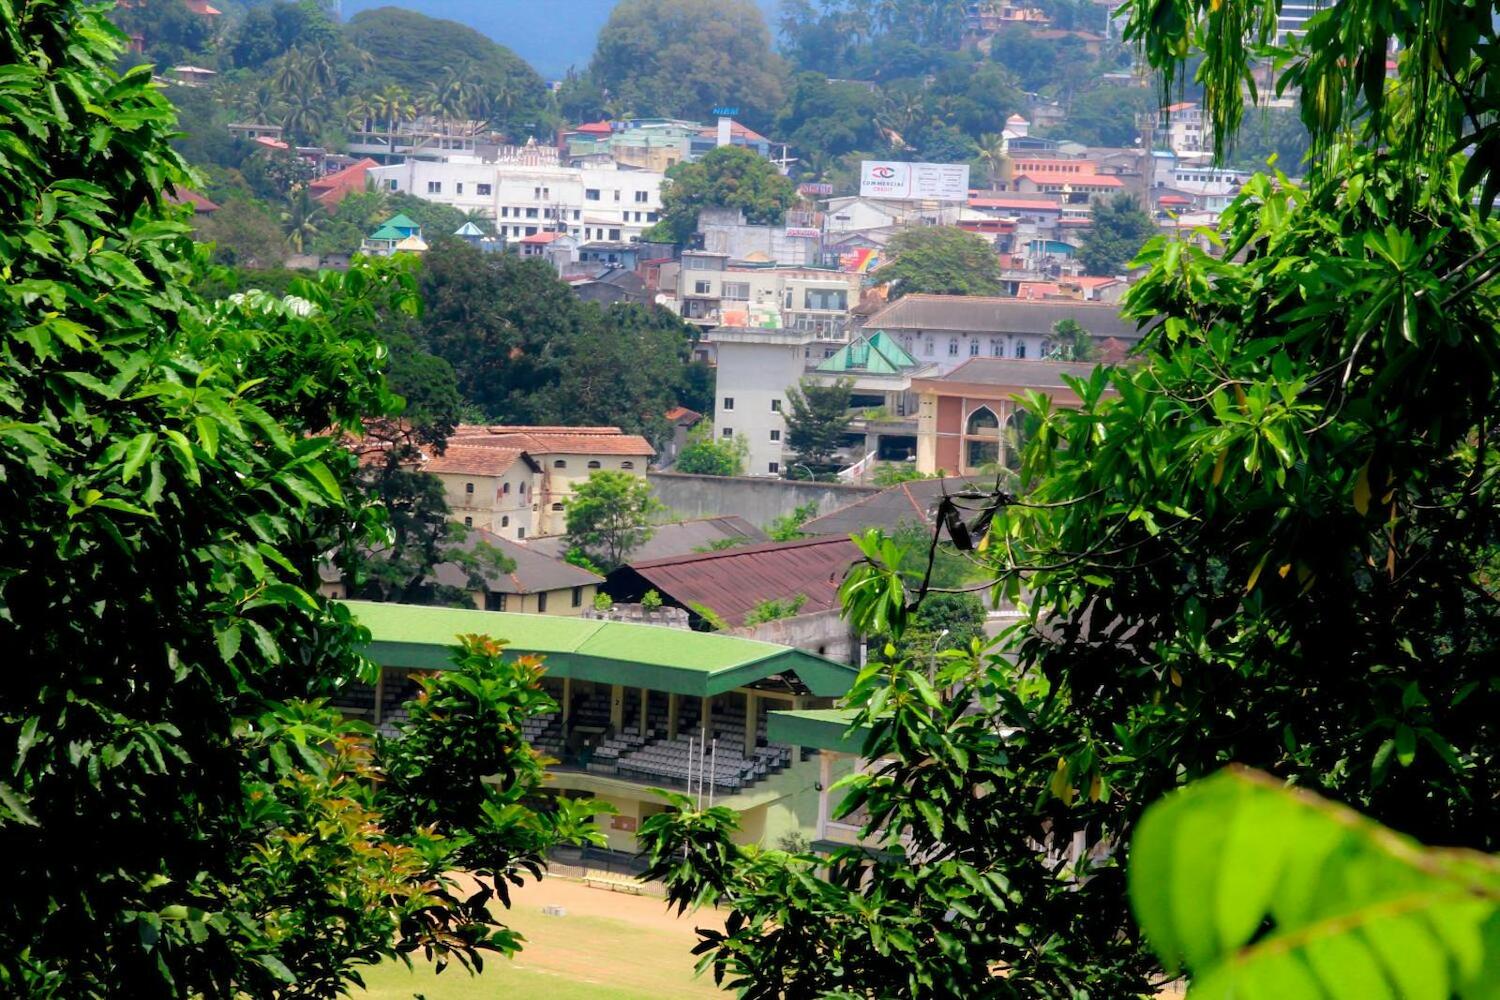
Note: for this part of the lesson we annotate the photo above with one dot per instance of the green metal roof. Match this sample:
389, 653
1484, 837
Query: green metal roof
878, 354
824, 728
387, 233
402, 221
649, 656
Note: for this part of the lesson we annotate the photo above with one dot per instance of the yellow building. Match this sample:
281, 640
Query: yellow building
488, 488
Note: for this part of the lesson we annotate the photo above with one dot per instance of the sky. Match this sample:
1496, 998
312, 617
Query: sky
549, 34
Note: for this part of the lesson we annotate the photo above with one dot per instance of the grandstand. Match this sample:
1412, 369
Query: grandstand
636, 706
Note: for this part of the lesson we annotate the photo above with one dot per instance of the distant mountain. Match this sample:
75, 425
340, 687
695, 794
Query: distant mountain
549, 34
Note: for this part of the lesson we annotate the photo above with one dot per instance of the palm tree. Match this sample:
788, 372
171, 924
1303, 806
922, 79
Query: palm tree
300, 219
358, 113
318, 64
291, 75
392, 104
258, 106
303, 114
993, 153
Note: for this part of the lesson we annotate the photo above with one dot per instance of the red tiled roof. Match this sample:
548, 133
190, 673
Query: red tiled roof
736, 130
599, 127
1173, 199
1037, 289
733, 581
473, 461
186, 196
1183, 106
545, 237
678, 413
554, 440
330, 189
266, 140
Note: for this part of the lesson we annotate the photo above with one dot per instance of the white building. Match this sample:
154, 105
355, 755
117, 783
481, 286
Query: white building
1189, 129
755, 369
525, 190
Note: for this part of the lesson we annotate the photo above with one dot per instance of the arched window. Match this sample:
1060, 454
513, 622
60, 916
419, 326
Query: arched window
952, 347
1020, 348
559, 464
468, 487
997, 347
505, 489
521, 489
557, 506
973, 348
468, 522
627, 465
927, 348
594, 464
983, 431
505, 521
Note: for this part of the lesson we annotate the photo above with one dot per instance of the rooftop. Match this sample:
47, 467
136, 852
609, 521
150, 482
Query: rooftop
533, 571
473, 461
1009, 373
733, 581
877, 354
552, 440
999, 314
650, 656
677, 538
904, 503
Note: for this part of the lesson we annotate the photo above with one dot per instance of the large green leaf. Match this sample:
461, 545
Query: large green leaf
1262, 891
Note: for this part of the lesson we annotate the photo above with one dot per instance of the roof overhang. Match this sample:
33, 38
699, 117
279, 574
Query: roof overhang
698, 664
823, 728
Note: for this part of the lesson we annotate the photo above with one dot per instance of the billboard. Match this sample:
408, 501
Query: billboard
937, 181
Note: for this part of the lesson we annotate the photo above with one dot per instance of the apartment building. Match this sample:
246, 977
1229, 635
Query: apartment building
527, 190
489, 488
709, 290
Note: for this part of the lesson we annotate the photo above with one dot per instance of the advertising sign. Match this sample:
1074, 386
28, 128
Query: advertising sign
936, 181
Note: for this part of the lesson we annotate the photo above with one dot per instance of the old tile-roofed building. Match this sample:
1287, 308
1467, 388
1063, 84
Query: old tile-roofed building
905, 503
330, 189
537, 583
732, 582
984, 314
460, 460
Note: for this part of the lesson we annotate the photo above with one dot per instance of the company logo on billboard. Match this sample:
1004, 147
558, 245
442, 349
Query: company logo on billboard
883, 173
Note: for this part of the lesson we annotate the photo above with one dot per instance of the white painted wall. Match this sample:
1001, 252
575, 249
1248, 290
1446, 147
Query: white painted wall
755, 375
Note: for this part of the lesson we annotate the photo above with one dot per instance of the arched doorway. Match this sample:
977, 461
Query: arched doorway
981, 438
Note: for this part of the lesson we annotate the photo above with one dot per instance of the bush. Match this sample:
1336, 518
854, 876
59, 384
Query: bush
651, 601
603, 602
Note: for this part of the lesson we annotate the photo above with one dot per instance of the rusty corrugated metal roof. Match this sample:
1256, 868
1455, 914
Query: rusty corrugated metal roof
733, 581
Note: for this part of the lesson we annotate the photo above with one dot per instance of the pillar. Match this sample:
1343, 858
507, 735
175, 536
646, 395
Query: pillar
567, 704
645, 706
379, 692
825, 778
703, 715
672, 702
617, 706
750, 709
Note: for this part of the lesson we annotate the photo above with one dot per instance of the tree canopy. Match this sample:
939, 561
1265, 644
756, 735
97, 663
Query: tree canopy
183, 813
1120, 228
940, 260
609, 516
724, 177
682, 58
817, 417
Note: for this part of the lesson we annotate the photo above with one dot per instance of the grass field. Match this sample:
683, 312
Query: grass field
609, 946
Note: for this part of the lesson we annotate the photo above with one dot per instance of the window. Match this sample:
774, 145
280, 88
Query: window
390, 185
983, 427
617, 194
520, 532
641, 197
483, 190
728, 402
505, 489
627, 465
434, 187
541, 603
773, 467
650, 216
826, 298
521, 489
469, 488
775, 435
736, 291
973, 348
560, 464
614, 234
952, 347
576, 215
531, 213
927, 348
997, 348
505, 521
504, 211
468, 522
459, 187
494, 601
594, 464
577, 596
727, 432
531, 230
775, 406
701, 287
557, 506
591, 194
1020, 348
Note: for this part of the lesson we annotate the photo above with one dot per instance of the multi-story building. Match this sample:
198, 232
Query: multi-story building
489, 488
755, 369
1188, 129
562, 457
658, 143
527, 190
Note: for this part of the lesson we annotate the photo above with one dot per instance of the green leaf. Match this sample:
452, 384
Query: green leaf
1267, 893
136, 454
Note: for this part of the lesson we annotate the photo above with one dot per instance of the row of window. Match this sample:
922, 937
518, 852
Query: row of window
728, 432
562, 463
504, 523
729, 404
504, 488
497, 602
594, 194
997, 347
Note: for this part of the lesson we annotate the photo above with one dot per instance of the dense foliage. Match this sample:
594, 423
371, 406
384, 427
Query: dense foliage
706, 455
609, 516
726, 177
182, 814
1119, 231
940, 260
817, 418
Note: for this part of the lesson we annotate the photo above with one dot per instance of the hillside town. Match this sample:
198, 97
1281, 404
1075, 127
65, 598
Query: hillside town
791, 498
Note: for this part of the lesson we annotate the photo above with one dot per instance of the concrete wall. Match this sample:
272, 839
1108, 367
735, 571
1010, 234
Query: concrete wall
823, 632
758, 500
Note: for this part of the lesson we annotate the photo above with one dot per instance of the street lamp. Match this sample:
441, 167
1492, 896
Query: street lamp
810, 474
